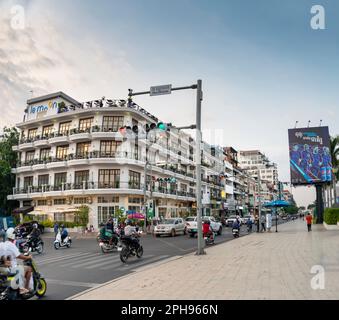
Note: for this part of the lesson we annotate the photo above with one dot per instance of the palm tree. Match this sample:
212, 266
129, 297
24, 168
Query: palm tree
335, 163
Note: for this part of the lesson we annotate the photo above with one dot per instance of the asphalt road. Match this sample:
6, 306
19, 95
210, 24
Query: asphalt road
73, 270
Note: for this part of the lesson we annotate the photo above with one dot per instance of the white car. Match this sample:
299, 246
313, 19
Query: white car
170, 227
191, 225
231, 219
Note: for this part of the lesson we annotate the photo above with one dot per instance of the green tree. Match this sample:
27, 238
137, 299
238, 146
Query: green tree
8, 159
291, 210
82, 216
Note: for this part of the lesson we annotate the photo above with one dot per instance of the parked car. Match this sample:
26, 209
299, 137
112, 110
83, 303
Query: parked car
192, 229
231, 219
27, 227
170, 227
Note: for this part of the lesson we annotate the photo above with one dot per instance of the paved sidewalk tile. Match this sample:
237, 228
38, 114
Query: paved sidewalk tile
259, 266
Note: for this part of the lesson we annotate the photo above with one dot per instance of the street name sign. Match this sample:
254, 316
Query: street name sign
160, 90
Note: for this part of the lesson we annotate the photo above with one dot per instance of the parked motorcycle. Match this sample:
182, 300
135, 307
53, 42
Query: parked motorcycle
58, 243
129, 250
9, 285
235, 233
31, 245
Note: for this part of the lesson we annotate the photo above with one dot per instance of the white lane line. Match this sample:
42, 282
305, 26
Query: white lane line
81, 259
72, 283
136, 263
105, 263
88, 262
57, 259
118, 263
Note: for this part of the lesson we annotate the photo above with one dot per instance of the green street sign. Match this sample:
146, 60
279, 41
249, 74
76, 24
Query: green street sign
122, 209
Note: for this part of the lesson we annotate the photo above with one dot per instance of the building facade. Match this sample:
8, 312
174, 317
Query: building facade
257, 165
72, 154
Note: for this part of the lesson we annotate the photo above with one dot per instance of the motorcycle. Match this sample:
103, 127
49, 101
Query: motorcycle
129, 250
58, 243
106, 247
209, 240
31, 245
9, 285
235, 233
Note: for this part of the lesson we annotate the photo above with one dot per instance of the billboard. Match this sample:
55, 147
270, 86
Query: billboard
310, 157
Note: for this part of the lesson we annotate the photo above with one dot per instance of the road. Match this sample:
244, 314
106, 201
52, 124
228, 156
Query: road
73, 270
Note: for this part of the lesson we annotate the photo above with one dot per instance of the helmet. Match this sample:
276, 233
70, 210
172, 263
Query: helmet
10, 233
129, 222
207, 221
62, 226
35, 225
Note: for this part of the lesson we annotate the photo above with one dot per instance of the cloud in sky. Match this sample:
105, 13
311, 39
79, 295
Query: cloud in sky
262, 68
43, 59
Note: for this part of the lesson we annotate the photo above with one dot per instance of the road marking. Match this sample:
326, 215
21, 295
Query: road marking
61, 258
96, 262
138, 263
73, 283
127, 266
82, 261
157, 263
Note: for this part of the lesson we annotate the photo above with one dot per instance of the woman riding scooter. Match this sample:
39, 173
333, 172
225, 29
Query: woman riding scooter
207, 230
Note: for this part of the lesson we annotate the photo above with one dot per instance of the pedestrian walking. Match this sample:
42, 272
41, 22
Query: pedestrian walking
256, 221
263, 221
309, 222
56, 229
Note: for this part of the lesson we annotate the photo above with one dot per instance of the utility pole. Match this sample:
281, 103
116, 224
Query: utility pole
198, 167
259, 191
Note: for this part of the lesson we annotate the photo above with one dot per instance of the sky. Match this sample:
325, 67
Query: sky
262, 65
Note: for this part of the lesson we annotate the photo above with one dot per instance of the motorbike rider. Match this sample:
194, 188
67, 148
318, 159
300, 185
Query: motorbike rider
11, 250
207, 229
104, 234
249, 225
35, 234
130, 233
64, 233
236, 225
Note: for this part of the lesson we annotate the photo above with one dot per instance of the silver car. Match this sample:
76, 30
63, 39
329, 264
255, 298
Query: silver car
170, 227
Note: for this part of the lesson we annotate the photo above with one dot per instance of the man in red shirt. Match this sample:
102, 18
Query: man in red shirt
309, 222
206, 229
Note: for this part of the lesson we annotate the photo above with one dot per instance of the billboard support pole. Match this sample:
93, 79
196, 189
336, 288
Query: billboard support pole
320, 203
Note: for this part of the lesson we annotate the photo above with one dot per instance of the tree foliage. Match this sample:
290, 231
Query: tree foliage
8, 159
82, 216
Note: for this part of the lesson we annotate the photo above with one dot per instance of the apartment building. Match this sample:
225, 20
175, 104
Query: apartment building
254, 162
72, 154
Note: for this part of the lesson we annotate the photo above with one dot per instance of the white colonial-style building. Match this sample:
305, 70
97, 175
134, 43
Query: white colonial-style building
72, 154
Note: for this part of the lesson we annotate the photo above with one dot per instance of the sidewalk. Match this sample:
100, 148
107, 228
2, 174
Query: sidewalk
260, 266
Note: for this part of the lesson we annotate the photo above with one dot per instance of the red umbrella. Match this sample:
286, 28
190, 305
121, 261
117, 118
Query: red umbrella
138, 216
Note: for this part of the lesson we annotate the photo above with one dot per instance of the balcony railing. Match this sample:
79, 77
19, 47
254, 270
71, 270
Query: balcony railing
86, 185
82, 156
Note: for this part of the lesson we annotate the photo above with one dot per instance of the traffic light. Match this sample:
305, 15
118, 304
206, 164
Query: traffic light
160, 125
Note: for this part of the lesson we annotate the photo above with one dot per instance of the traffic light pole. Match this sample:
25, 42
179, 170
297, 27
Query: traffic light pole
198, 168
197, 86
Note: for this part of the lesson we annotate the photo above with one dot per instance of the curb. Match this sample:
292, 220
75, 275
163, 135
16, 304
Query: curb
143, 268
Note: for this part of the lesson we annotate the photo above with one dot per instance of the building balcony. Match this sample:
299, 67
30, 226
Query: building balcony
43, 142
77, 135
103, 132
59, 139
92, 188
90, 158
